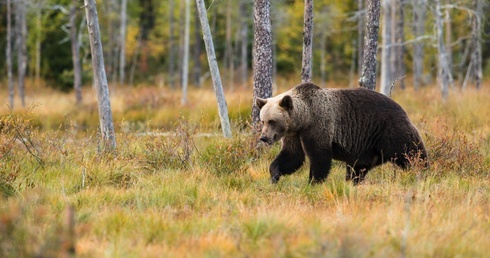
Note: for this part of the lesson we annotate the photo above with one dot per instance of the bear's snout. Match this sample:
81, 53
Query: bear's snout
263, 138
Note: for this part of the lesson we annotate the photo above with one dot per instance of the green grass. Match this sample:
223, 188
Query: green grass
185, 195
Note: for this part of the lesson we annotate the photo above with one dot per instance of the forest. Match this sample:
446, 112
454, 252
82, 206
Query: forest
150, 147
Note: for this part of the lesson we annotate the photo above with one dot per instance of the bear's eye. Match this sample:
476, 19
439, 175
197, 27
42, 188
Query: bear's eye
272, 122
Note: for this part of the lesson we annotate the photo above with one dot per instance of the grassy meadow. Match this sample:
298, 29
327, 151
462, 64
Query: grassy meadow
175, 188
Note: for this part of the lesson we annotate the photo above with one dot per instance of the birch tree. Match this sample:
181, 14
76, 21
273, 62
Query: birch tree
213, 65
185, 60
444, 75
368, 75
244, 40
21, 33
171, 43
398, 49
474, 70
262, 55
122, 53
307, 42
100, 78
8, 56
419, 12
75, 49
386, 74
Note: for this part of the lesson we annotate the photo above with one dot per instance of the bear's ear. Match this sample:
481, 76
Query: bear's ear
286, 103
260, 102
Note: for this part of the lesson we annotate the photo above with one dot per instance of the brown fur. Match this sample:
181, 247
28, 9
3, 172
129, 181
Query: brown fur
360, 127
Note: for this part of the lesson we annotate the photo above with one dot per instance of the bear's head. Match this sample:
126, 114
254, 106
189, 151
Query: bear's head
275, 115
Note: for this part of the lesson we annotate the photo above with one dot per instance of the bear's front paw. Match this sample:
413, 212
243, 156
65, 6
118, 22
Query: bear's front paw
274, 179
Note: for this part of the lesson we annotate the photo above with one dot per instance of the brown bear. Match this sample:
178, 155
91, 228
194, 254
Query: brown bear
358, 126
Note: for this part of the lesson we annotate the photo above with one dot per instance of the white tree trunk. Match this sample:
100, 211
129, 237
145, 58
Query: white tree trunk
306, 74
213, 66
419, 12
122, 53
185, 61
100, 78
21, 27
8, 55
386, 74
77, 69
444, 75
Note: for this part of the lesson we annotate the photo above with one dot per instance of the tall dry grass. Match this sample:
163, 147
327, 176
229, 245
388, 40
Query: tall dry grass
176, 192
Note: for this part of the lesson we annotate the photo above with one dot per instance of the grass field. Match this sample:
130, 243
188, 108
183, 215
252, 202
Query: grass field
184, 191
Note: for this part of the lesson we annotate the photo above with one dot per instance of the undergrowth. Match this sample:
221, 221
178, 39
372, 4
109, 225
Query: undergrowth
188, 191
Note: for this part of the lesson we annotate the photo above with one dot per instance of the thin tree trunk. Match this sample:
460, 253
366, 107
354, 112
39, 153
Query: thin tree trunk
244, 41
228, 56
185, 61
262, 55
213, 65
448, 34
122, 53
134, 60
171, 43
444, 72
21, 26
352, 65
197, 51
37, 68
8, 55
419, 12
100, 79
474, 70
323, 58
368, 75
77, 70
306, 75
386, 74
360, 34
398, 50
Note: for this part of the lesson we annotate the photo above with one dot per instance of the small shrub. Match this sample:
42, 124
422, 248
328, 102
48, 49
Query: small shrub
171, 151
227, 156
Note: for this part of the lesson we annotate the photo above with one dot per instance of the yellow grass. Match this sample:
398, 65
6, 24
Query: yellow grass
127, 204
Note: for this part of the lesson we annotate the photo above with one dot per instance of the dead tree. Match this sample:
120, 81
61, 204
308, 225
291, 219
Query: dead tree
444, 75
419, 12
306, 75
262, 55
8, 56
122, 53
213, 66
77, 68
474, 70
185, 61
386, 74
368, 75
99, 77
21, 33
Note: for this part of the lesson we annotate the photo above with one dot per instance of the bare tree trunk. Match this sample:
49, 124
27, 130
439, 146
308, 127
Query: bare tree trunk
368, 76
398, 50
134, 60
474, 70
419, 12
100, 79
228, 46
386, 73
185, 61
323, 59
171, 42
37, 68
213, 65
77, 70
122, 53
244, 41
360, 34
352, 69
21, 26
444, 75
262, 55
8, 55
197, 51
307, 42
449, 34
